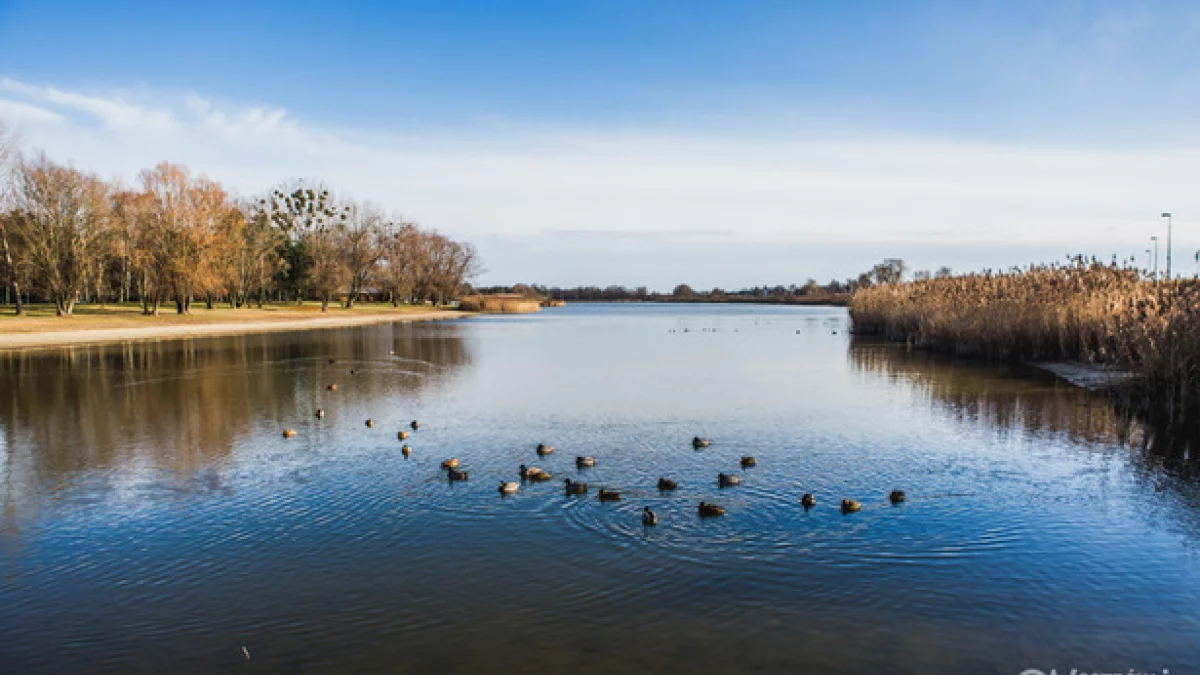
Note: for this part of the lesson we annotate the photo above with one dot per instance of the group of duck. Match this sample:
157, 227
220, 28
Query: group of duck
533, 474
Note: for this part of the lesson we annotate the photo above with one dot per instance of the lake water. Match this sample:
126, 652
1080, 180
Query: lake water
153, 518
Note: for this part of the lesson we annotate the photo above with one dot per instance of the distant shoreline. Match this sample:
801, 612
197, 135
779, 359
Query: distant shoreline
283, 321
832, 301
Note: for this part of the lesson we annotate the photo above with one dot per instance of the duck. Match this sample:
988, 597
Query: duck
543, 449
609, 495
585, 461
289, 433
573, 488
509, 487
708, 510
332, 387
666, 484
535, 474
415, 425
808, 501
748, 461
649, 517
850, 506
406, 450
698, 442
402, 435
897, 496
370, 423
451, 463
456, 475
728, 480
320, 413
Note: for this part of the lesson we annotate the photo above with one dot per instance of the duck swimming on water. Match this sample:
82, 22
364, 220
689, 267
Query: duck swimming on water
698, 442
728, 480
401, 435
609, 495
649, 517
456, 475
543, 449
573, 488
535, 474
451, 463
850, 506
748, 461
666, 484
808, 501
583, 462
708, 510
897, 496
509, 487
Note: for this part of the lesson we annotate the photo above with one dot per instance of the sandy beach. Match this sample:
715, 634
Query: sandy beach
38, 332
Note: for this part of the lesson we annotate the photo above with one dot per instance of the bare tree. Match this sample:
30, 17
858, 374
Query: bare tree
187, 217
8, 220
362, 248
401, 248
299, 209
258, 257
63, 213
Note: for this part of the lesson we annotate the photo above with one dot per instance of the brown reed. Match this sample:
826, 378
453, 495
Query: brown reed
1083, 310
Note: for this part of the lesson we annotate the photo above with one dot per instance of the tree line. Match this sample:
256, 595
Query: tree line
69, 236
890, 270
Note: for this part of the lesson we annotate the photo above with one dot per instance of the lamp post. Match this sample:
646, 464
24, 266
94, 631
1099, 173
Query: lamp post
1168, 217
1155, 240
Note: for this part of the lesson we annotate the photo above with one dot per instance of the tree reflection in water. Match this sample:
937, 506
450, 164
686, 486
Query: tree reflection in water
179, 407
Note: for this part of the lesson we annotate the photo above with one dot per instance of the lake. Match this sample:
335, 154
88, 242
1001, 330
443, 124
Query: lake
154, 519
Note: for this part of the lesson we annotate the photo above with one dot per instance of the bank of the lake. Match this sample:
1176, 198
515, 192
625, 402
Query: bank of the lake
40, 328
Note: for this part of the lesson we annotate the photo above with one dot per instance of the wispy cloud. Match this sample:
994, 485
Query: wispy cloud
112, 112
24, 112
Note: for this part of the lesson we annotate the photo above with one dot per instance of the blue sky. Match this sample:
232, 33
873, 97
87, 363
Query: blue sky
717, 143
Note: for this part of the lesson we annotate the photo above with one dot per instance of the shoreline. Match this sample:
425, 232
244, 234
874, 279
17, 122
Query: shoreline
19, 341
823, 302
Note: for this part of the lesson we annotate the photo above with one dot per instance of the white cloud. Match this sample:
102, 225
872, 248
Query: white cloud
766, 187
113, 112
24, 112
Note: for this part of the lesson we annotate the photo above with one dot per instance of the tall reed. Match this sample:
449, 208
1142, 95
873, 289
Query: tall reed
1083, 310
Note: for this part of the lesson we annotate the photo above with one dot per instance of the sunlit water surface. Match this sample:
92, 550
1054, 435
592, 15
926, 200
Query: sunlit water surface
155, 520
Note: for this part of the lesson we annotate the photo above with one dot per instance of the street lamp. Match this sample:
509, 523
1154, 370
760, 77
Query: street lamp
1168, 217
1155, 240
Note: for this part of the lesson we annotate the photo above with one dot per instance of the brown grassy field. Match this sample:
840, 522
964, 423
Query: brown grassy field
40, 318
1084, 311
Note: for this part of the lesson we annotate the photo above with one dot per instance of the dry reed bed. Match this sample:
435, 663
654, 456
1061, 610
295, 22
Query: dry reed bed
500, 304
1082, 310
